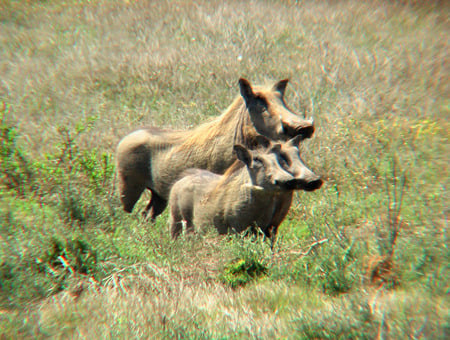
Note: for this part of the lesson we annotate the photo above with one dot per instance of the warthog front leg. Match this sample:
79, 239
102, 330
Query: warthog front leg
155, 207
129, 192
176, 227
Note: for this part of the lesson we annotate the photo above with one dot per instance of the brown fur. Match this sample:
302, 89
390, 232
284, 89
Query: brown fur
153, 158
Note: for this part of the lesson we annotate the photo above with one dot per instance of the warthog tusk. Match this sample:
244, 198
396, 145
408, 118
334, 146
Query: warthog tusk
282, 125
253, 187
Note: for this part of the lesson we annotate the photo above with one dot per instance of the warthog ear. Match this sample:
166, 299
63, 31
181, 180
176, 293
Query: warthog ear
281, 86
243, 154
246, 90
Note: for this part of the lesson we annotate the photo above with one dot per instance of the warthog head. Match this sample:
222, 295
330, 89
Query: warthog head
290, 160
264, 169
269, 112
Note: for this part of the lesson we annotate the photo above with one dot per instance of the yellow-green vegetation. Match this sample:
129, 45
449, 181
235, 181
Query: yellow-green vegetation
365, 256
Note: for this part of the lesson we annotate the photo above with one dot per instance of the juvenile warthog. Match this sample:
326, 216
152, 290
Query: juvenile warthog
251, 193
153, 158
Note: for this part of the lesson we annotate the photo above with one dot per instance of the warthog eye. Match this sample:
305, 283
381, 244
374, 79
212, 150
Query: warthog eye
261, 100
257, 162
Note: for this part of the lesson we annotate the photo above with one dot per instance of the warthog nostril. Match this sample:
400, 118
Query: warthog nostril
313, 185
304, 130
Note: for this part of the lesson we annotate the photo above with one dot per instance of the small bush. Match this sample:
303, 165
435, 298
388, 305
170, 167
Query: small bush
332, 269
250, 260
74, 179
50, 271
338, 277
84, 176
16, 171
242, 271
73, 256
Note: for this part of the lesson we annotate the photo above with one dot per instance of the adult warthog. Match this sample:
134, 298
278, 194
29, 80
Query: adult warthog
152, 158
253, 192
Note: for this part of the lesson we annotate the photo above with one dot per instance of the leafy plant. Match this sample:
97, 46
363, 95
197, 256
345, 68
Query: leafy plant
16, 171
242, 271
67, 258
249, 262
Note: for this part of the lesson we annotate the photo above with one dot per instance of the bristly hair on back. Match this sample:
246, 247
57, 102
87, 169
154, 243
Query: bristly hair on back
236, 117
226, 178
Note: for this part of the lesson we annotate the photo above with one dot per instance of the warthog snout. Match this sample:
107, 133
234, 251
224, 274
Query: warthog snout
312, 183
305, 129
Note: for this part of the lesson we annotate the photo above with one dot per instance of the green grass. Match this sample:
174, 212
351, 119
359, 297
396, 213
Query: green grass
77, 76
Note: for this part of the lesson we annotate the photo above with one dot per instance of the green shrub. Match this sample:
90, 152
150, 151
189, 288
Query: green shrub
74, 179
249, 262
242, 271
75, 256
36, 264
16, 171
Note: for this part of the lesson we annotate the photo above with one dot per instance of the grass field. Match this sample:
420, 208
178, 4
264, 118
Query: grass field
366, 256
